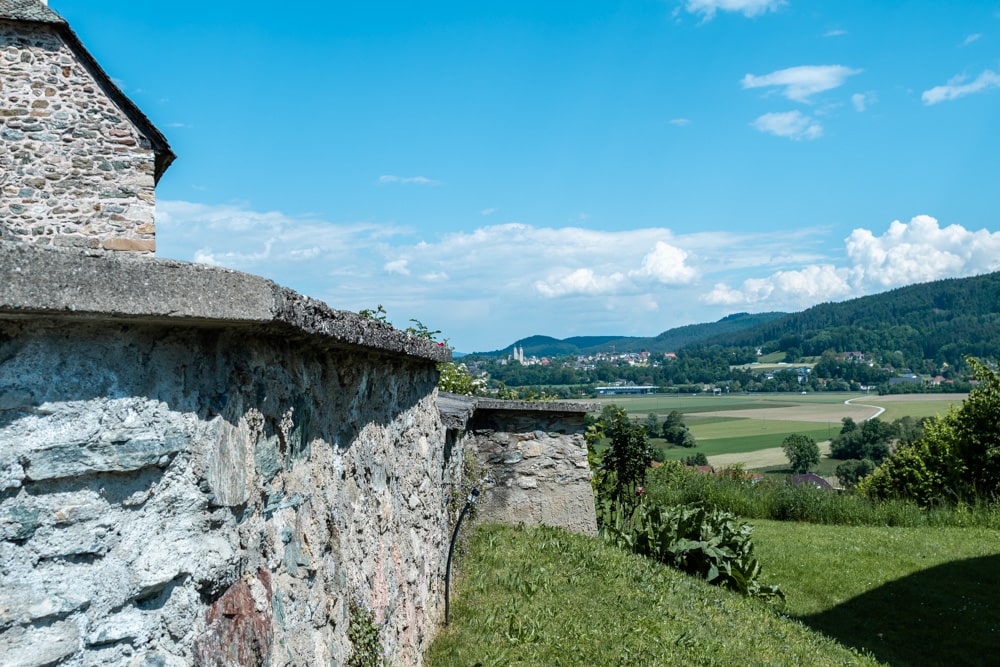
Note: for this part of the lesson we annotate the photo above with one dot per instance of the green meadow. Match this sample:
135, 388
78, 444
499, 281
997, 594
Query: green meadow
764, 427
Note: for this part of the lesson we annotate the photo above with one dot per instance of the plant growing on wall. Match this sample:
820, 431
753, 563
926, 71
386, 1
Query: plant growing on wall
364, 634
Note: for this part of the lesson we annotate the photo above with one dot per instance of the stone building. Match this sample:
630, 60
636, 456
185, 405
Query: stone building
78, 160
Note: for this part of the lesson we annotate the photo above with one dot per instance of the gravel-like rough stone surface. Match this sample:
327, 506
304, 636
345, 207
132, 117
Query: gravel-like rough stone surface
177, 495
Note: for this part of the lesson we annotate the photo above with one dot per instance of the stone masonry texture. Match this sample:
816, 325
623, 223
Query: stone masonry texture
207, 482
75, 171
533, 458
172, 496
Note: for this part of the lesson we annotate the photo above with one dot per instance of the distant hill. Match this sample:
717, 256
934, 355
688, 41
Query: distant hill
940, 321
668, 341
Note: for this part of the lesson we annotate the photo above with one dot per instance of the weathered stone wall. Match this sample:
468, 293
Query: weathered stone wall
199, 467
74, 171
177, 496
534, 464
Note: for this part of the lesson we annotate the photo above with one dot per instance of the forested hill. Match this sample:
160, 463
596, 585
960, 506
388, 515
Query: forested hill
941, 321
668, 341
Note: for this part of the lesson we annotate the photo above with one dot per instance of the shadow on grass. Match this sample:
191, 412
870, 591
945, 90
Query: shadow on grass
945, 615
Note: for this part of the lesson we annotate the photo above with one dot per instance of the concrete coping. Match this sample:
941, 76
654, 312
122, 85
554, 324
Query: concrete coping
59, 283
456, 410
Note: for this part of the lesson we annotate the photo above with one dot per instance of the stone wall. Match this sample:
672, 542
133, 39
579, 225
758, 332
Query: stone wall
74, 169
206, 479
533, 459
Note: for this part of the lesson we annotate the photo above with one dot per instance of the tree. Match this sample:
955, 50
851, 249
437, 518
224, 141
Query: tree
802, 452
853, 471
675, 432
627, 458
868, 441
652, 425
698, 459
958, 457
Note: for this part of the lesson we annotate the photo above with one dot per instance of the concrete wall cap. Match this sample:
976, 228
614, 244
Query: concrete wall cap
70, 283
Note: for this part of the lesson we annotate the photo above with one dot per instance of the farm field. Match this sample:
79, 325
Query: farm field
728, 428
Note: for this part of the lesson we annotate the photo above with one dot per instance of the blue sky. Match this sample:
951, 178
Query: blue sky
503, 169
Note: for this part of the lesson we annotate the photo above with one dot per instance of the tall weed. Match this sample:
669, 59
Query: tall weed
732, 491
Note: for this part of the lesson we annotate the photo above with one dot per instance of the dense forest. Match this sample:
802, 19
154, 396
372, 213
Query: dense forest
926, 324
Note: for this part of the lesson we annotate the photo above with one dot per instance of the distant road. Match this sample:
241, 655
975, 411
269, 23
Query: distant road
878, 408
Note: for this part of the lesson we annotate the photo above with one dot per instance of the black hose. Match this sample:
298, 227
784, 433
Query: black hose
451, 547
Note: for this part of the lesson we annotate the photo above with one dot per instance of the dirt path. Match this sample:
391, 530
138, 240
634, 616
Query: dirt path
759, 459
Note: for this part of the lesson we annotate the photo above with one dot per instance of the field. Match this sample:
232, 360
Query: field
749, 429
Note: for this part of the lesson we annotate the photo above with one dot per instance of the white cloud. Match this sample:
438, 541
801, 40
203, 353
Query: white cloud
971, 38
862, 101
800, 83
406, 180
492, 284
835, 33
580, 281
679, 121
790, 124
666, 264
488, 211
708, 8
919, 251
955, 88
397, 266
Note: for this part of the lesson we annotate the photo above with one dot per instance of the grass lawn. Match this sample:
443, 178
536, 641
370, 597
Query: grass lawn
910, 596
903, 596
542, 596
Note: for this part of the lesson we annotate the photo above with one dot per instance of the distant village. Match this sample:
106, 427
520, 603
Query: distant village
621, 373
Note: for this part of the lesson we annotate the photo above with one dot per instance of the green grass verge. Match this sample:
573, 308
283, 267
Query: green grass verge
909, 596
542, 596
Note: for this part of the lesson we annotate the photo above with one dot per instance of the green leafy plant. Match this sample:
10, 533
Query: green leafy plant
420, 330
711, 544
625, 462
364, 634
378, 314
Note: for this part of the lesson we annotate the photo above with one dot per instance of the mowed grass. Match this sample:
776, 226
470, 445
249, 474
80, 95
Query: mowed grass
903, 596
916, 408
738, 444
909, 596
543, 596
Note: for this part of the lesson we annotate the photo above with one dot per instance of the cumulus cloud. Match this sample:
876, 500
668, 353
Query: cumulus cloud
800, 83
790, 124
407, 180
666, 264
955, 87
749, 8
907, 253
505, 281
